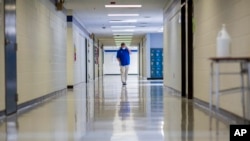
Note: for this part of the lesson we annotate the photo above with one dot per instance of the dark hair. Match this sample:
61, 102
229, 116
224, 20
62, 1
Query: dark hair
122, 44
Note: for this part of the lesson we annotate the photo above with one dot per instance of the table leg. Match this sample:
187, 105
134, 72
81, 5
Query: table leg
248, 90
242, 69
217, 84
211, 87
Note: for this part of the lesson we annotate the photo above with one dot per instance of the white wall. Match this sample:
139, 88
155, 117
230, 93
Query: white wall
100, 61
41, 55
140, 58
111, 65
172, 50
76, 45
70, 55
80, 62
2, 84
144, 57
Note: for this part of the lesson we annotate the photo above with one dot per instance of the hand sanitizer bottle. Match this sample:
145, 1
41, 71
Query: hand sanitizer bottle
223, 43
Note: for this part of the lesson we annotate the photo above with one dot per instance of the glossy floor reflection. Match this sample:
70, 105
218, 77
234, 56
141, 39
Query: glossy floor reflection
107, 111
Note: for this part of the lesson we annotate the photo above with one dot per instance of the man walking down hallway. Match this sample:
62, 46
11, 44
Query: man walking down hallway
123, 57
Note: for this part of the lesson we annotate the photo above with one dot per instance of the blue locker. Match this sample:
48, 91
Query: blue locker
156, 62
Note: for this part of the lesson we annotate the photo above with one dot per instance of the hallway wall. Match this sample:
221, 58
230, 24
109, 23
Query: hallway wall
80, 62
172, 49
209, 15
41, 55
2, 84
76, 54
70, 55
150, 41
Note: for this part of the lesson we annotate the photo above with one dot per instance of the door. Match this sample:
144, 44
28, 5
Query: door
10, 57
90, 64
86, 59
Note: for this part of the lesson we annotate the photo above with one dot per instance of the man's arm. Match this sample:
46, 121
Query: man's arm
118, 58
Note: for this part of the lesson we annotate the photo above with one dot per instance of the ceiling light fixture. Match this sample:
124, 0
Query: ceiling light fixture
123, 15
128, 40
123, 21
123, 34
123, 26
123, 6
124, 30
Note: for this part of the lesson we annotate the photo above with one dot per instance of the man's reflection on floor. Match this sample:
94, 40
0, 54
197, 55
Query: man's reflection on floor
124, 111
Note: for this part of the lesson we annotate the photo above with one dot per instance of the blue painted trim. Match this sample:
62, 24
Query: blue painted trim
116, 50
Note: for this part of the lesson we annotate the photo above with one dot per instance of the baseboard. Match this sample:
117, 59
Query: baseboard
2, 113
222, 114
154, 78
34, 102
70, 86
39, 99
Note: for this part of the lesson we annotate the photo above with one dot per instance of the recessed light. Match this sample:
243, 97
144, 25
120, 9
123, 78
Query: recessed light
122, 6
123, 34
123, 15
123, 21
124, 30
123, 40
123, 26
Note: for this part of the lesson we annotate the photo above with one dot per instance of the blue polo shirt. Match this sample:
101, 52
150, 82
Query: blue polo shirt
124, 56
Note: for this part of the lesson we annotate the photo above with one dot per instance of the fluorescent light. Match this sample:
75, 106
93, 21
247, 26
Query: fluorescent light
124, 15
124, 30
123, 26
161, 29
123, 34
122, 6
128, 39
123, 21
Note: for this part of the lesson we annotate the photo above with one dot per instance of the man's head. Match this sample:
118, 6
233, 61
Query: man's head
123, 45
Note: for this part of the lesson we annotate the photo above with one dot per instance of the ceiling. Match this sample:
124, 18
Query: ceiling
94, 16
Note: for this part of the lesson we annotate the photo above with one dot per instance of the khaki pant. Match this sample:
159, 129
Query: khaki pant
124, 73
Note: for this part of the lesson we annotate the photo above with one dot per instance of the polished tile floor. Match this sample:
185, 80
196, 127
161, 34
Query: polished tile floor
107, 111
